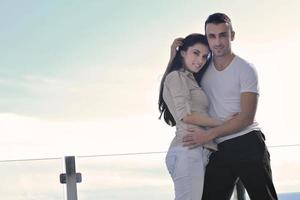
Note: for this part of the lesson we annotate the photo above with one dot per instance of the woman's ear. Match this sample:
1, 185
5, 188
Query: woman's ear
182, 53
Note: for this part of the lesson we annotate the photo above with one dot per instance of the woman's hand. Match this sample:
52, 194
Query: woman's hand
174, 47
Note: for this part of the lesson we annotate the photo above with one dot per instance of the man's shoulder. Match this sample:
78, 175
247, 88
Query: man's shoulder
243, 61
244, 64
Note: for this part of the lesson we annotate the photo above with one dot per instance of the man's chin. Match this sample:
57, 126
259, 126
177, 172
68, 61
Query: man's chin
219, 54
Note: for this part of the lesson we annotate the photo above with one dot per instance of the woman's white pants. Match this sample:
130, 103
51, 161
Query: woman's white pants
187, 169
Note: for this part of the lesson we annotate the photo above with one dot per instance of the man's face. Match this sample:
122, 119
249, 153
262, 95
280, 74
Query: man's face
219, 37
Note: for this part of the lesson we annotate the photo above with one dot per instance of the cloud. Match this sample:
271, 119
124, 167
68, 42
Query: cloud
25, 137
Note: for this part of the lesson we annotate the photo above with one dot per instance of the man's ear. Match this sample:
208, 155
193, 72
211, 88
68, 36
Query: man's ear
232, 35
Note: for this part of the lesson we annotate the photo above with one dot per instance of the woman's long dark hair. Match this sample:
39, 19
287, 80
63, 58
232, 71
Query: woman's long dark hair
176, 64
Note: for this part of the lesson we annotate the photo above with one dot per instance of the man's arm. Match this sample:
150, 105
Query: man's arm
201, 120
248, 104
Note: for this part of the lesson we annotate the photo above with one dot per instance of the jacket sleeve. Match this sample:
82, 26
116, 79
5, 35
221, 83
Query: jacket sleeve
180, 93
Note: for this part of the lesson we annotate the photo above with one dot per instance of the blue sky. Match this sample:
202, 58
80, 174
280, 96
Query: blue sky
76, 54
84, 75
70, 64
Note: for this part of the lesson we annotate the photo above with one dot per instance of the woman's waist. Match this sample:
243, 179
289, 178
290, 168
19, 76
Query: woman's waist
183, 127
182, 131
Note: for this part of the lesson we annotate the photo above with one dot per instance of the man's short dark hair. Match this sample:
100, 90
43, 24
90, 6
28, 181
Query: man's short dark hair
218, 18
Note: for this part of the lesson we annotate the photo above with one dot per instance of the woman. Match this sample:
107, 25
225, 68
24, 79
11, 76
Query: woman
184, 104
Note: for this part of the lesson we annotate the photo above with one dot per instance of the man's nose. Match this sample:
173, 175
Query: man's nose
217, 41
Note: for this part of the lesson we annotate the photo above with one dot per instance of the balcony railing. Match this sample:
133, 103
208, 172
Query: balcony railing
120, 176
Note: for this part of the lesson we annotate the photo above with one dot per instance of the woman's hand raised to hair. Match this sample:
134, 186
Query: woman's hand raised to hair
174, 47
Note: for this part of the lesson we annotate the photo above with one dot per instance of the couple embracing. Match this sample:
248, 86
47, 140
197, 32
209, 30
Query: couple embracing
211, 95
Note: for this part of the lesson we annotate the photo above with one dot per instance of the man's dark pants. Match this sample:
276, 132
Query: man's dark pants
245, 157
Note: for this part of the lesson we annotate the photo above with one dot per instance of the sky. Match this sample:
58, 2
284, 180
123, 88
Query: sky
82, 77
80, 67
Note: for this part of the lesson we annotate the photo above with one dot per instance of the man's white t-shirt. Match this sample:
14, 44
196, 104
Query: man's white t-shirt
224, 89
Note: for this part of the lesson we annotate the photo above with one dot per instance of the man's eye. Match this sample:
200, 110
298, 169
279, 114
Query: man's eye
223, 35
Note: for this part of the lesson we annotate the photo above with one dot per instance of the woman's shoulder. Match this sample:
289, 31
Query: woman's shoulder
177, 74
173, 75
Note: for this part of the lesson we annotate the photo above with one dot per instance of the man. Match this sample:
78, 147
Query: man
231, 85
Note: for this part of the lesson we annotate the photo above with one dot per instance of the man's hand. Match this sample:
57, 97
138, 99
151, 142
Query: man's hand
196, 137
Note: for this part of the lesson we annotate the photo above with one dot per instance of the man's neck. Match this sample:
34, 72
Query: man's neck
223, 61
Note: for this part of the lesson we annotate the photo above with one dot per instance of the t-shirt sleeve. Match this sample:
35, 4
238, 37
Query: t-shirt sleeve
180, 94
249, 80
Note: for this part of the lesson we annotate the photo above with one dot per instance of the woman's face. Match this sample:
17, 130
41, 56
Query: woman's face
195, 57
